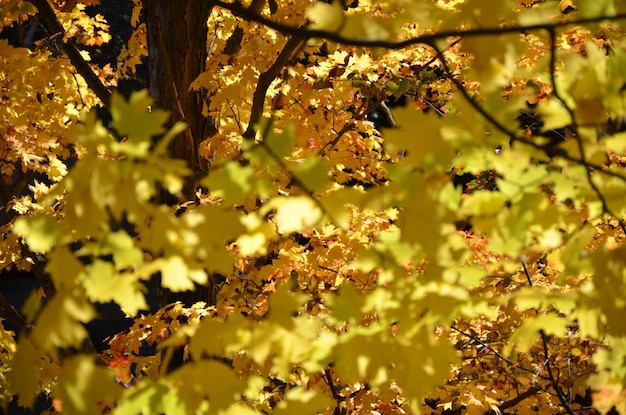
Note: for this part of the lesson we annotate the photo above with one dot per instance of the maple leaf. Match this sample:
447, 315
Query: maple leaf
134, 119
342, 265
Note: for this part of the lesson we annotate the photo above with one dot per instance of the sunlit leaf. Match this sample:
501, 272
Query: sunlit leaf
325, 16
133, 118
86, 388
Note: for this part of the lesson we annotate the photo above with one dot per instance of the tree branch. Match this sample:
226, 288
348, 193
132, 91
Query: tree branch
498, 354
532, 391
546, 352
292, 47
70, 49
349, 126
509, 133
234, 41
13, 316
240, 11
575, 134
331, 385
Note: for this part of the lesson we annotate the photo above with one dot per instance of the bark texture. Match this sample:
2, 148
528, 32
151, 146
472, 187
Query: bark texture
177, 45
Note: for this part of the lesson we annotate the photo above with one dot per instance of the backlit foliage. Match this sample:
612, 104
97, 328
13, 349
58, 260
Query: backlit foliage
349, 270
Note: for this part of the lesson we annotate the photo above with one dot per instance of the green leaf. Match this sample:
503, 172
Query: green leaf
103, 284
284, 304
589, 321
240, 409
595, 8
324, 16
60, 323
364, 358
418, 376
575, 256
41, 232
273, 147
150, 398
136, 120
90, 132
214, 336
483, 203
122, 247
207, 379
346, 304
86, 388
312, 173
280, 144
526, 335
299, 401
418, 137
293, 214
233, 182
554, 115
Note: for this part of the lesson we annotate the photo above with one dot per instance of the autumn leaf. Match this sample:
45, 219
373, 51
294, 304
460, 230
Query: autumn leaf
428, 217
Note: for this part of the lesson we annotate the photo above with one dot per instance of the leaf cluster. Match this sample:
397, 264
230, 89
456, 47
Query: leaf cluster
338, 277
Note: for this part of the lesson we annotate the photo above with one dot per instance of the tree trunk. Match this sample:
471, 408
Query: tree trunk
177, 46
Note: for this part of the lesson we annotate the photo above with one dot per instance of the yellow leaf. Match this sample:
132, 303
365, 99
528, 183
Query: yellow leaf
135, 119
483, 203
85, 55
324, 16
526, 335
292, 214
64, 267
60, 322
299, 401
40, 232
197, 381
283, 306
174, 274
86, 388
240, 409
25, 375
103, 284
418, 138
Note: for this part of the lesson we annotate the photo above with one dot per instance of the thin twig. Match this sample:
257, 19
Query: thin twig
13, 316
71, 50
546, 352
574, 128
509, 133
532, 391
331, 385
291, 48
349, 126
498, 354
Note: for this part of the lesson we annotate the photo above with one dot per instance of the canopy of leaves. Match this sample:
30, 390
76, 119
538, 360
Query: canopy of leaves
468, 257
